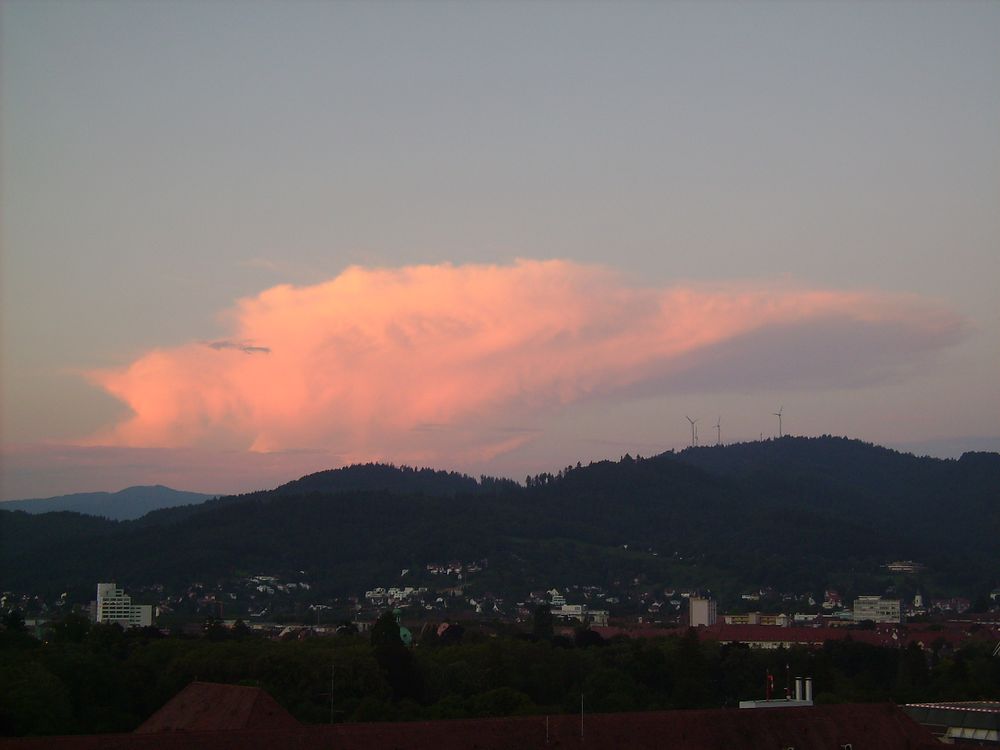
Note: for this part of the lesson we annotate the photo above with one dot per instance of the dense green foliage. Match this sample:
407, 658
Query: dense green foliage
796, 514
89, 679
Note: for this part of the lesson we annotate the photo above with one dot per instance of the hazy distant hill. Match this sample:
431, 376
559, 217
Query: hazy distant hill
797, 514
132, 502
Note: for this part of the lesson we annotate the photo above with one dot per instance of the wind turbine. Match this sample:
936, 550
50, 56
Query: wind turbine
718, 431
778, 415
694, 432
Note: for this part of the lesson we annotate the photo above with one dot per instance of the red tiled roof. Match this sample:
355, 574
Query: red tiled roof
888, 635
610, 631
776, 634
211, 706
864, 726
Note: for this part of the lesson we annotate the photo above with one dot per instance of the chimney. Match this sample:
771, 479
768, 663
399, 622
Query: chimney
809, 689
798, 688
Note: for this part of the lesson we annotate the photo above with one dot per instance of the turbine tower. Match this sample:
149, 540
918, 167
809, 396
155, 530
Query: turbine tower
694, 432
778, 415
718, 431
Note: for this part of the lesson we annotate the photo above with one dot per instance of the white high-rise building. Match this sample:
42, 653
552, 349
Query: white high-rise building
701, 611
114, 605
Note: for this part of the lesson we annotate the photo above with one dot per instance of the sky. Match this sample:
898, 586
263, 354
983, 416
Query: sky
243, 241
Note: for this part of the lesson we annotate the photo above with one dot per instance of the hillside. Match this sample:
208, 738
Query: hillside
942, 506
795, 514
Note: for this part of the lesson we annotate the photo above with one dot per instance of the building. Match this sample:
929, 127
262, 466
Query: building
803, 697
701, 611
582, 613
960, 722
214, 707
757, 618
904, 566
209, 717
831, 599
876, 609
114, 605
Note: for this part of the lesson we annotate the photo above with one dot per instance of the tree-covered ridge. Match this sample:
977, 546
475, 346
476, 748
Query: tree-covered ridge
397, 479
795, 513
939, 504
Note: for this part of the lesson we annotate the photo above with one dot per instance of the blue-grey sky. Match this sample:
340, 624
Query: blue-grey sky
160, 161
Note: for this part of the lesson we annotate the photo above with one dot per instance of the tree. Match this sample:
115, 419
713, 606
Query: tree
584, 637
347, 628
542, 623
690, 673
73, 628
395, 659
452, 635
13, 621
385, 631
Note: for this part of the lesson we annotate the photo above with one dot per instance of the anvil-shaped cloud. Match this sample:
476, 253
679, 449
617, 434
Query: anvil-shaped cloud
437, 363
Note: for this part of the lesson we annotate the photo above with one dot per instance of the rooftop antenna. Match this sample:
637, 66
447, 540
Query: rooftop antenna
778, 415
718, 431
694, 432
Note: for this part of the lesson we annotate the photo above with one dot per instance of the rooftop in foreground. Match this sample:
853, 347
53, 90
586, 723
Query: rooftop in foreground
204, 716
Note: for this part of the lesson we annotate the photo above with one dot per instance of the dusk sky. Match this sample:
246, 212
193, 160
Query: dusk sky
243, 241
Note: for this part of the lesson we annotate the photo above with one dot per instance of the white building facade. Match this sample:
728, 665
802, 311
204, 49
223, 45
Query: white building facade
876, 609
701, 611
114, 605
581, 612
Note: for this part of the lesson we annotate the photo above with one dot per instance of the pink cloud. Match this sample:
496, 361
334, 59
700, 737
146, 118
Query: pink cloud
361, 365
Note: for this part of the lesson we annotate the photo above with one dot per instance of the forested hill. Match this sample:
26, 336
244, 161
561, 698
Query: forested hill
795, 513
388, 478
947, 503
370, 477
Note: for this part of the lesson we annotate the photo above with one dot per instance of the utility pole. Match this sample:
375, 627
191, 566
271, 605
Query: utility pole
333, 669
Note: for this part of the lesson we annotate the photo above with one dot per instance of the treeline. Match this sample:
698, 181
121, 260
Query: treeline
96, 678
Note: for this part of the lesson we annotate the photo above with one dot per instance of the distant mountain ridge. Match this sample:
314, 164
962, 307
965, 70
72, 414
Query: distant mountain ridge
124, 505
